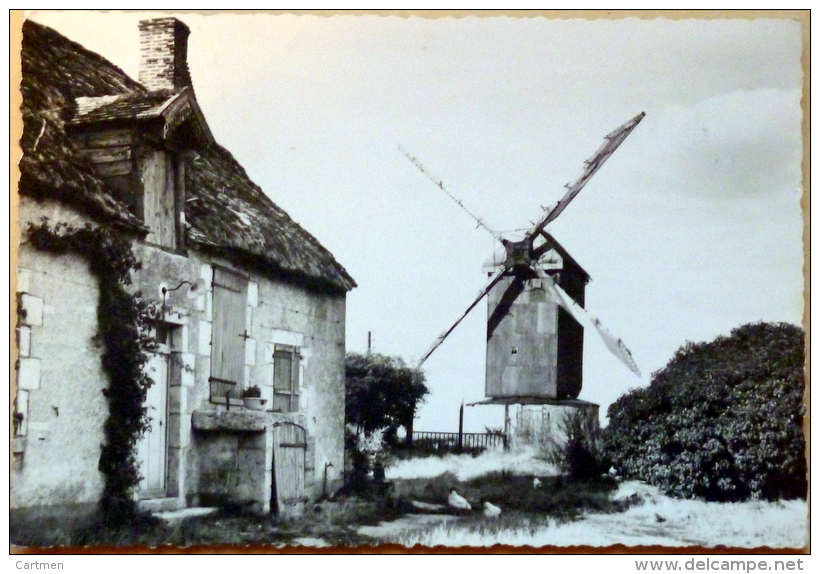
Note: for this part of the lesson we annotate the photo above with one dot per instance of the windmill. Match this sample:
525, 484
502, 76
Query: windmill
536, 317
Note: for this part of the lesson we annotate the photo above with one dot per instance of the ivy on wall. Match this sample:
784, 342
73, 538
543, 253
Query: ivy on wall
123, 319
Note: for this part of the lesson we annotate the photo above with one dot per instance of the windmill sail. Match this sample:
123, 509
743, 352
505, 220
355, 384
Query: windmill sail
614, 344
495, 279
440, 184
591, 166
522, 257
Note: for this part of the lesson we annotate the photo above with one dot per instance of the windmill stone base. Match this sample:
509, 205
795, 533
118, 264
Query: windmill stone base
547, 424
543, 423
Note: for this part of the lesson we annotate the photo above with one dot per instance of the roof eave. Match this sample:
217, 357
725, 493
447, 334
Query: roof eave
565, 255
176, 105
337, 286
168, 113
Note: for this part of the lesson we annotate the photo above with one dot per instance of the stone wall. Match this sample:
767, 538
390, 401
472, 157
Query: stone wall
232, 469
61, 380
276, 313
287, 313
59, 377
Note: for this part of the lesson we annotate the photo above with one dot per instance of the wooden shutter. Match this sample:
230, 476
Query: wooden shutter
294, 381
228, 330
160, 202
286, 378
283, 370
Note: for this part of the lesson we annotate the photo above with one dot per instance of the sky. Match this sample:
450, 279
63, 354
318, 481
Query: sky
692, 228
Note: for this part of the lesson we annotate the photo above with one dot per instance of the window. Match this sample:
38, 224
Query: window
286, 378
229, 334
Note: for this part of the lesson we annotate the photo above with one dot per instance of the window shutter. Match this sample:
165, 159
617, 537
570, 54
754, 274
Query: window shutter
286, 378
295, 376
294, 398
160, 200
282, 371
228, 336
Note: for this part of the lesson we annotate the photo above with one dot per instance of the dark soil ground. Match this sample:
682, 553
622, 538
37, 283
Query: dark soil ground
323, 524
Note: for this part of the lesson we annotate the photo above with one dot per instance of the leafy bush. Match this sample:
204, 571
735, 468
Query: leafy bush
722, 421
381, 392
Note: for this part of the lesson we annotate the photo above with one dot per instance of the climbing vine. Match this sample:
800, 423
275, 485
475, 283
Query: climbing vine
123, 319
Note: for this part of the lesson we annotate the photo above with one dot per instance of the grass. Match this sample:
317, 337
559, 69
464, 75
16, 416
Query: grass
48, 531
524, 461
556, 497
323, 526
476, 531
649, 519
525, 510
336, 523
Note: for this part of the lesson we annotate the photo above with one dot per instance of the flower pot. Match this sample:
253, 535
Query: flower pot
254, 403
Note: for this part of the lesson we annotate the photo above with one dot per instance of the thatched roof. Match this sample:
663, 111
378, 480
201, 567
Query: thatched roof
64, 84
55, 72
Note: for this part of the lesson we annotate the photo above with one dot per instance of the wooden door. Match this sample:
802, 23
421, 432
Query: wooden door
289, 449
152, 447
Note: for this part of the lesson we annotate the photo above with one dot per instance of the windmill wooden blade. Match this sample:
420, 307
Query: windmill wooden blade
505, 304
440, 184
495, 279
614, 344
591, 166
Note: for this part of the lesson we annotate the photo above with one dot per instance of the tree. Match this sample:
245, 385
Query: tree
722, 421
381, 391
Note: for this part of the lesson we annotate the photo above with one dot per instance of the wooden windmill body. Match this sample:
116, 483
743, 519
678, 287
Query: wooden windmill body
536, 316
534, 347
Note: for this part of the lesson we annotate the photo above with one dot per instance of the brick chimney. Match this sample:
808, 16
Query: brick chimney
164, 54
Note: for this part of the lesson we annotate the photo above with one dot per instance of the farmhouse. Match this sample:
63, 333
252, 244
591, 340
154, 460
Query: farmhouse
242, 296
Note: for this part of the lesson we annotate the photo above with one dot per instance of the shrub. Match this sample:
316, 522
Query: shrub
381, 392
722, 421
578, 453
359, 464
366, 452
